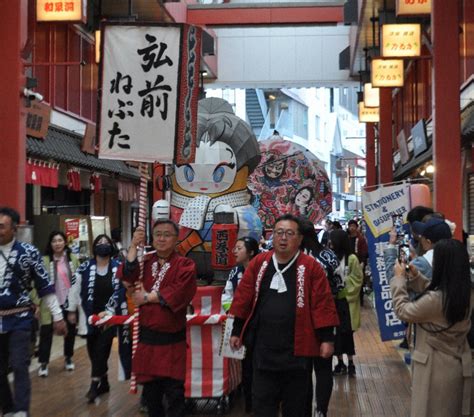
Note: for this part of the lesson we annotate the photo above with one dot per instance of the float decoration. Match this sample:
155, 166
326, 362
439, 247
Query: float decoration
289, 179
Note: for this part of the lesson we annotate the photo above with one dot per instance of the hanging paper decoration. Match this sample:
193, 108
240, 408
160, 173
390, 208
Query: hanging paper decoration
42, 173
95, 183
224, 237
73, 180
289, 179
227, 151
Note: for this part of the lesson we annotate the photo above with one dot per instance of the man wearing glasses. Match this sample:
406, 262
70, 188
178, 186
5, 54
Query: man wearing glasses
167, 288
283, 307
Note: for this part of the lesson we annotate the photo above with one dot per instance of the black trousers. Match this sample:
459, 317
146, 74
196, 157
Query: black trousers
324, 383
270, 388
46, 340
247, 375
172, 389
99, 345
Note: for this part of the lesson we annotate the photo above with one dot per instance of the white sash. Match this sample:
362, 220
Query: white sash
278, 282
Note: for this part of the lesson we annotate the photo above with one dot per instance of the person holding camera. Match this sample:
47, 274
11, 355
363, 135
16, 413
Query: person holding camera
441, 359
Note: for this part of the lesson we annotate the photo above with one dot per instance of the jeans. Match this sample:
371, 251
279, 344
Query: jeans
15, 352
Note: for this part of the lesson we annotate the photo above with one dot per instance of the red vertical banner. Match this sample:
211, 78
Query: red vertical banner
185, 147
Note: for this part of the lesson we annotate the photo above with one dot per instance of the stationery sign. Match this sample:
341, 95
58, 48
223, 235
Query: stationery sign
401, 40
378, 207
413, 7
62, 11
387, 72
149, 92
368, 114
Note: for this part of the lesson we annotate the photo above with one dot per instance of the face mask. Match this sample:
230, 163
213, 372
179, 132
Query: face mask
103, 249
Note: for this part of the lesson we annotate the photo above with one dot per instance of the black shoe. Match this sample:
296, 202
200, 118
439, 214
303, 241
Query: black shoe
351, 370
103, 386
340, 369
93, 393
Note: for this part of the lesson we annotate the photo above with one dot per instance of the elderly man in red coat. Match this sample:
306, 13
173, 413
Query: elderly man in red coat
168, 286
285, 312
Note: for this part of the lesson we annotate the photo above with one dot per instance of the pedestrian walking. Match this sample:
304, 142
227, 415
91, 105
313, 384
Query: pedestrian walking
21, 268
283, 308
94, 290
61, 265
168, 286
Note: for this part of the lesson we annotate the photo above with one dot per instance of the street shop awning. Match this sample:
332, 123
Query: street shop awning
62, 146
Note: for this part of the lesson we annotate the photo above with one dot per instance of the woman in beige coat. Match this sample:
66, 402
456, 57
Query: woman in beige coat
441, 380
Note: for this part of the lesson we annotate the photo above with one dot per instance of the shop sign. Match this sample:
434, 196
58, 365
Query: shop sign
37, 120
88, 141
420, 139
61, 11
149, 93
401, 40
368, 114
387, 72
403, 147
371, 96
413, 7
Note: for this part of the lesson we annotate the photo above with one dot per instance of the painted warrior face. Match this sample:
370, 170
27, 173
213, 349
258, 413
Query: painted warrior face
213, 171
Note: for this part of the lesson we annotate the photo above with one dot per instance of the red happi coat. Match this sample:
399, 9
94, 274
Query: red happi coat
315, 306
177, 289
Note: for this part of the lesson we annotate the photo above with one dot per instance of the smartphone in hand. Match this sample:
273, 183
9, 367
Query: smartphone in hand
397, 222
404, 255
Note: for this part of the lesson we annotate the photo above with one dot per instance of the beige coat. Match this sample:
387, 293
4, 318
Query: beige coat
441, 360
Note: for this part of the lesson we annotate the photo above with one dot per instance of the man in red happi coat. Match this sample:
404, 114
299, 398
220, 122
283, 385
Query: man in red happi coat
168, 286
285, 313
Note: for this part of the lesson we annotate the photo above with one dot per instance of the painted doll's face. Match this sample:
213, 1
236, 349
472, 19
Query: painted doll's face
275, 169
303, 198
212, 172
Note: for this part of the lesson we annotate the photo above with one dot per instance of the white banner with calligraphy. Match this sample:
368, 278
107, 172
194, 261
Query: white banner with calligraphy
141, 87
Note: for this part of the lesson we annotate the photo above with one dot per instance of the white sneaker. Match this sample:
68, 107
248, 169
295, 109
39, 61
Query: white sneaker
43, 370
20, 414
69, 364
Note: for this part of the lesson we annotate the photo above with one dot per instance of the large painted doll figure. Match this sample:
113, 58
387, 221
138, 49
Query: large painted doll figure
227, 152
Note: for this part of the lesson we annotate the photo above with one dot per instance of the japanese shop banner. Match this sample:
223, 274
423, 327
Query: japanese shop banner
149, 92
378, 207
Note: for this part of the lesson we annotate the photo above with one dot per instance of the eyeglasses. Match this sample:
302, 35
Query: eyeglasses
164, 235
288, 233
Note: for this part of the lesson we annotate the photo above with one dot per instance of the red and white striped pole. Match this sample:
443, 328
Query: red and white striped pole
142, 210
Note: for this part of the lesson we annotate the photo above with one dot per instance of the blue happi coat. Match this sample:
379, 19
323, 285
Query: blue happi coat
25, 269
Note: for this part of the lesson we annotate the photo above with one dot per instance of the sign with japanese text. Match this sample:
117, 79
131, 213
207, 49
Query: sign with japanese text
413, 7
401, 40
149, 92
371, 96
37, 120
378, 207
63, 11
368, 114
387, 72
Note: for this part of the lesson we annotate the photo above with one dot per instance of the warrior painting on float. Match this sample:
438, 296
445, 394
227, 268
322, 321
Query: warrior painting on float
289, 179
226, 153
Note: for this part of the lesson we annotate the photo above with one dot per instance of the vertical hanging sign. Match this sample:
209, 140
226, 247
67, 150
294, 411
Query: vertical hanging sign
149, 92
